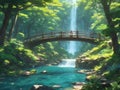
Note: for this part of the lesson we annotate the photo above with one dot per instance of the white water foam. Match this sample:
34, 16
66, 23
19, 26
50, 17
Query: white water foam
67, 63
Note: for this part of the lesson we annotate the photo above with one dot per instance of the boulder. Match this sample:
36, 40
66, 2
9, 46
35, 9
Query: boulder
78, 83
36, 87
44, 72
41, 87
54, 63
77, 87
56, 86
82, 71
49, 64
26, 73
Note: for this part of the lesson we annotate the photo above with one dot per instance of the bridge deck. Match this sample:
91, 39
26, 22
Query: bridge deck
57, 36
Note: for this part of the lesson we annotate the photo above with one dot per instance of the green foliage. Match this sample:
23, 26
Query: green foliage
51, 51
14, 56
102, 50
108, 68
6, 62
95, 85
99, 23
29, 53
37, 20
7, 56
115, 86
20, 36
33, 71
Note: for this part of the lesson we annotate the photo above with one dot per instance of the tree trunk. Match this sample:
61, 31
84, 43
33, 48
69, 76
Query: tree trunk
115, 43
17, 28
113, 33
14, 20
3, 29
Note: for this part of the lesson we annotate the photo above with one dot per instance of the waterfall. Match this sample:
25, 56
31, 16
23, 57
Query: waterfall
73, 16
67, 63
72, 46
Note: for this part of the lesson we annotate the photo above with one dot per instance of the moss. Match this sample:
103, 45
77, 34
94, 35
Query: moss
108, 67
33, 71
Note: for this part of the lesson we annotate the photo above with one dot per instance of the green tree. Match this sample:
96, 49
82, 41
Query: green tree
37, 20
9, 7
107, 7
106, 18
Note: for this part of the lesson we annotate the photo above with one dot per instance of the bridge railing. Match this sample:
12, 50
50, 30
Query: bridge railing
67, 34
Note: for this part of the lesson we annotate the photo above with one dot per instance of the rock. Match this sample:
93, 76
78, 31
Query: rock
81, 71
86, 63
87, 72
56, 86
78, 83
86, 58
78, 87
41, 87
88, 78
105, 82
54, 63
103, 79
26, 73
49, 64
44, 72
36, 87
58, 61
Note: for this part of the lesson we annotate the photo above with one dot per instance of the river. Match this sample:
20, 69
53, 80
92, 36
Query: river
63, 74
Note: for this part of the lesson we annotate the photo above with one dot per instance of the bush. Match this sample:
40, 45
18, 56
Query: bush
14, 56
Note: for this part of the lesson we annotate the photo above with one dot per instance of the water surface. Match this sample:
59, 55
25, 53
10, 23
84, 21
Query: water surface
56, 75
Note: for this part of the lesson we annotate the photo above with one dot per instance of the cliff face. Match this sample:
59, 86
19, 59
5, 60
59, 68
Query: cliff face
86, 63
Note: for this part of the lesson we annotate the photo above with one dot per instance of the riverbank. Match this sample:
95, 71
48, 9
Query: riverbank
102, 65
15, 57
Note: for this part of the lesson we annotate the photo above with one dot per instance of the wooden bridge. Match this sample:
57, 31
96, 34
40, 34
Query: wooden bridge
60, 36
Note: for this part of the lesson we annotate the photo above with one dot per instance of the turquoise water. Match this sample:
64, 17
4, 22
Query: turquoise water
63, 76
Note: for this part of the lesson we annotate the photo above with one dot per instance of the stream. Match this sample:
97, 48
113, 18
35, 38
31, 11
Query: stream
63, 74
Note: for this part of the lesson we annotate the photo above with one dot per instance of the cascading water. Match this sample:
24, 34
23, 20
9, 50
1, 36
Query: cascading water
72, 45
67, 63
